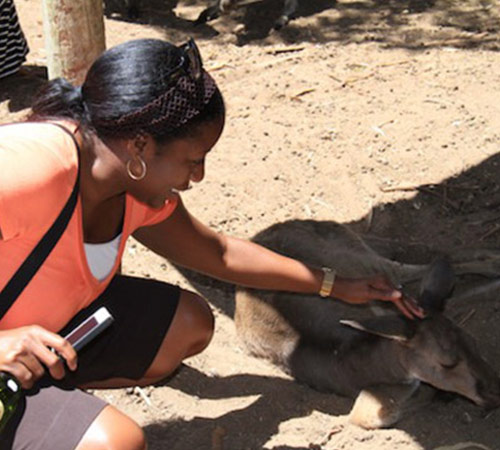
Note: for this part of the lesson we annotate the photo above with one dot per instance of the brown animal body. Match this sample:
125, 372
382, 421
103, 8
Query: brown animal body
345, 349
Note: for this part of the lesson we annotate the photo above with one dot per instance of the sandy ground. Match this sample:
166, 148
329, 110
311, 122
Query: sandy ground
385, 115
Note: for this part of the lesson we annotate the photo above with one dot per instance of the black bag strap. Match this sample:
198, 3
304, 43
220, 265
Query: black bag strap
39, 254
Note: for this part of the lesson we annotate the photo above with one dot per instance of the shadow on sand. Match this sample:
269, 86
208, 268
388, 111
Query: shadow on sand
394, 23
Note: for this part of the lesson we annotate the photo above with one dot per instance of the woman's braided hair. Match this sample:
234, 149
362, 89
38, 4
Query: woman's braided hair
180, 103
129, 90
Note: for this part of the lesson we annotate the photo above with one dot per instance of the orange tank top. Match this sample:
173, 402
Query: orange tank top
38, 166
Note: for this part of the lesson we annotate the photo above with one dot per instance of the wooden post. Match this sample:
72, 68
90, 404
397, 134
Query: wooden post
74, 37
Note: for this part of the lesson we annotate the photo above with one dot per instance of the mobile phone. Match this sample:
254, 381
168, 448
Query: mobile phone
89, 328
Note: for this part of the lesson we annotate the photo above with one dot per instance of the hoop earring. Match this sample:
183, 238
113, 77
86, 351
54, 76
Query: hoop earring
132, 175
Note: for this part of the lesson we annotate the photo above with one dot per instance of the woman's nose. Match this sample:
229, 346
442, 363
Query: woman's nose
198, 173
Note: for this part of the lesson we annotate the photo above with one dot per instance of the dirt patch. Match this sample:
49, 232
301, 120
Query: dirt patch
382, 115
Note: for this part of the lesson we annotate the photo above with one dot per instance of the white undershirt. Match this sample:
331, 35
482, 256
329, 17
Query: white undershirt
101, 257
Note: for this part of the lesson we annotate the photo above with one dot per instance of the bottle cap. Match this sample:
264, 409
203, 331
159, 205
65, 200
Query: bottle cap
12, 385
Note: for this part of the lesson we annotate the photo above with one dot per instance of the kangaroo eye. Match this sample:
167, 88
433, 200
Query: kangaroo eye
449, 359
449, 364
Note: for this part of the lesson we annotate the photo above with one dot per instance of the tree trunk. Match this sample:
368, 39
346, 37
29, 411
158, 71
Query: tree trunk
74, 37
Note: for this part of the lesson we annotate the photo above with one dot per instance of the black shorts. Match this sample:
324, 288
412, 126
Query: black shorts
55, 415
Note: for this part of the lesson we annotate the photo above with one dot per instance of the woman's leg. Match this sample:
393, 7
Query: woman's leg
51, 418
174, 324
189, 333
113, 430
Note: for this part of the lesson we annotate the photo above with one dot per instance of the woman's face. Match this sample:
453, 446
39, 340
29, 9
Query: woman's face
173, 166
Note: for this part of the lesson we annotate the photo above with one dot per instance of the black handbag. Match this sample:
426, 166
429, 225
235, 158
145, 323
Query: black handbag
39, 254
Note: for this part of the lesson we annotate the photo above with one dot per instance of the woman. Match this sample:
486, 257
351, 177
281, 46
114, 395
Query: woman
145, 120
13, 46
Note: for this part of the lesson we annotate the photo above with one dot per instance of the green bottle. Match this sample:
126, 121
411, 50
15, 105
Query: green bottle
10, 393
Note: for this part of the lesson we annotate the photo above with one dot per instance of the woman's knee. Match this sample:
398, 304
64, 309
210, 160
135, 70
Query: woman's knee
197, 321
113, 430
190, 332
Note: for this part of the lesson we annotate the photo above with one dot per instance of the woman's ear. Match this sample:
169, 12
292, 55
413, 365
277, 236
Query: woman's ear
140, 142
142, 145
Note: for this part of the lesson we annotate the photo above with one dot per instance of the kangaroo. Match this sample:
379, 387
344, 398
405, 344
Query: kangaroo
133, 9
336, 347
222, 6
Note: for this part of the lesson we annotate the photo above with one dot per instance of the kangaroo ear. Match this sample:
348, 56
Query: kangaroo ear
390, 327
436, 286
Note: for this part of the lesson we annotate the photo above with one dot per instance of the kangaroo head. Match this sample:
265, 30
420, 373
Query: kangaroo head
435, 350
443, 355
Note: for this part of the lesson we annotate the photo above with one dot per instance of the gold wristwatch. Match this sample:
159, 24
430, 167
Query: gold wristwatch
328, 280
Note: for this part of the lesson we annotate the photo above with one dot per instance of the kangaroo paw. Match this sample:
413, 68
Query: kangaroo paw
381, 406
370, 412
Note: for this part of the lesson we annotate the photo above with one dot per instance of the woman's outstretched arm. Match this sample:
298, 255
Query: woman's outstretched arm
187, 242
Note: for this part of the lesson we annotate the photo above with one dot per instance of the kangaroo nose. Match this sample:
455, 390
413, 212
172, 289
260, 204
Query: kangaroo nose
489, 393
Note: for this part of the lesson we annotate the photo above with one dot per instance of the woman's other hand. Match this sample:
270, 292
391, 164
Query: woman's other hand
363, 290
26, 353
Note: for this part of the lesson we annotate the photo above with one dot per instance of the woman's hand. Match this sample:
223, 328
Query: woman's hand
363, 290
25, 353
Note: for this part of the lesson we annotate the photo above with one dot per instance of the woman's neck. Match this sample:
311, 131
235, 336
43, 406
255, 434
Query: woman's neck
101, 171
102, 190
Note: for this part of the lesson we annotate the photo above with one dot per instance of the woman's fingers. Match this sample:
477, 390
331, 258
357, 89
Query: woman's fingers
26, 367
50, 360
381, 289
402, 307
33, 365
390, 295
411, 305
28, 352
376, 288
407, 305
22, 373
61, 348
